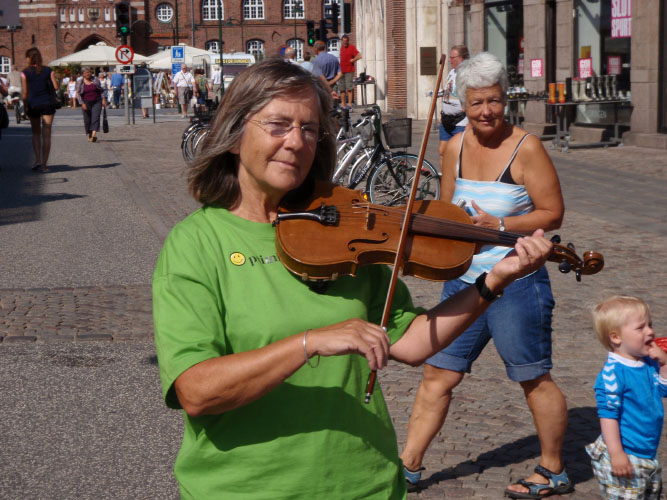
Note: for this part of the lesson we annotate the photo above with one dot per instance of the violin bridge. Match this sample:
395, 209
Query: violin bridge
370, 218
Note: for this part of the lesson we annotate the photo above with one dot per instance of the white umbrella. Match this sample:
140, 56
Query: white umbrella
95, 55
162, 59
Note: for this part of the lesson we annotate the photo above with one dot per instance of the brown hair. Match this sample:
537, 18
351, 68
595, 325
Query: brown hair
462, 50
611, 314
213, 177
34, 57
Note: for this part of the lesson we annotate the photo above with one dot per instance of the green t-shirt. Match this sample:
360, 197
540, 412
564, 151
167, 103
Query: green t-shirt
218, 289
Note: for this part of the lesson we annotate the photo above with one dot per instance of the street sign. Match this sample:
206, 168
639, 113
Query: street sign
142, 83
175, 68
125, 69
124, 54
177, 54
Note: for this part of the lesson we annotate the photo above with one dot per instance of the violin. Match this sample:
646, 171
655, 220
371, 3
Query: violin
337, 231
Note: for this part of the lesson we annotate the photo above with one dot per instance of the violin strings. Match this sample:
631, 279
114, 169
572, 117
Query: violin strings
428, 223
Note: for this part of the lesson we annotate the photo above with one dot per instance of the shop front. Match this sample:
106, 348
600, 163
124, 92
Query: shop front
608, 55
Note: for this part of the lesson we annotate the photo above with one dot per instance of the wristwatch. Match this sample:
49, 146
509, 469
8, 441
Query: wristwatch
501, 227
483, 290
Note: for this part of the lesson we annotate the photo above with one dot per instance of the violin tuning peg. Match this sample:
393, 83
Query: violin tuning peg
571, 247
564, 267
578, 274
555, 239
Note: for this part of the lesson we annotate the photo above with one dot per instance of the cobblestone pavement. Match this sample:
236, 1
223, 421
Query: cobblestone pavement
615, 205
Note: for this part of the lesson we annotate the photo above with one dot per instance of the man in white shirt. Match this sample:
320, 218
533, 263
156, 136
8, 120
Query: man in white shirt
183, 84
215, 81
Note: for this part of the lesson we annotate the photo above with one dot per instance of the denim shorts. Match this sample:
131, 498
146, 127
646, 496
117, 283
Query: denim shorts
445, 136
519, 323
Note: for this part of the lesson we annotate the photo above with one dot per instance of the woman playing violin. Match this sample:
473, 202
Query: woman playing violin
508, 183
269, 371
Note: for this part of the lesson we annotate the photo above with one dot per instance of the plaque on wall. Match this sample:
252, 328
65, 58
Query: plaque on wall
428, 61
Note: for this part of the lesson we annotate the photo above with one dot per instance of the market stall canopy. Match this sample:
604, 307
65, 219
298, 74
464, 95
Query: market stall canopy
162, 59
95, 55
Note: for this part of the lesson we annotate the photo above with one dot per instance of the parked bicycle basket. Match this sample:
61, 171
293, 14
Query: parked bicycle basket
398, 133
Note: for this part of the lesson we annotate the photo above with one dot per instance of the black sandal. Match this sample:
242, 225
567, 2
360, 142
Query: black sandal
558, 484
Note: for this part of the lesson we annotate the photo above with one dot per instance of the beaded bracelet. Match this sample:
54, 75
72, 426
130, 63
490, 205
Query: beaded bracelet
305, 352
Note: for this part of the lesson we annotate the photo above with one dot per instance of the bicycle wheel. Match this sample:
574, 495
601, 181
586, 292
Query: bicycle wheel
198, 141
389, 184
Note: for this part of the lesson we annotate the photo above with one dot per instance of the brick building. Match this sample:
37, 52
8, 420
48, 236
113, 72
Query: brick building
62, 27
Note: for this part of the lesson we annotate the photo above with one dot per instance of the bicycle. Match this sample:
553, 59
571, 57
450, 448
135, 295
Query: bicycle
389, 174
19, 107
194, 135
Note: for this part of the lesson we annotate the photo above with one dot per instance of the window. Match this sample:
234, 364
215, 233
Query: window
211, 8
80, 15
107, 14
294, 9
256, 48
72, 15
333, 44
213, 46
164, 13
253, 9
5, 64
504, 32
297, 45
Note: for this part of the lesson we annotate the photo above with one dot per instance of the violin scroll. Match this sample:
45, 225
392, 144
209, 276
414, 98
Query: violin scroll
568, 260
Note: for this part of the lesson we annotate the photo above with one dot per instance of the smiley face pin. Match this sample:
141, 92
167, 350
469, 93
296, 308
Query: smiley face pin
237, 258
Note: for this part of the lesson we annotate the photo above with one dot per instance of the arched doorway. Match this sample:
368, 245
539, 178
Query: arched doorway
91, 40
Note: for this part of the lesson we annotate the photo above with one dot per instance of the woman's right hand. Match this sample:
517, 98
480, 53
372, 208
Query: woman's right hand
353, 336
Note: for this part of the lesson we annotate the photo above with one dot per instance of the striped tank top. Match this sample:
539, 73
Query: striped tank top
500, 199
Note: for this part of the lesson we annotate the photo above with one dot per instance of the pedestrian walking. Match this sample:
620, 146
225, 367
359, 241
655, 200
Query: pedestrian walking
183, 88
117, 84
629, 391
245, 381
39, 90
349, 55
201, 87
452, 117
71, 91
507, 181
92, 98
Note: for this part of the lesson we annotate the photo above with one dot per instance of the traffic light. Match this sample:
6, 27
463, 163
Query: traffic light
347, 25
123, 25
331, 14
310, 30
323, 30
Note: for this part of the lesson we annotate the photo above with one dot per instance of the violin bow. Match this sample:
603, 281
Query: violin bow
370, 385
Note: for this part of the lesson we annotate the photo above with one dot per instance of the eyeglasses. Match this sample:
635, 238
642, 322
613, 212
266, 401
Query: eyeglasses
310, 132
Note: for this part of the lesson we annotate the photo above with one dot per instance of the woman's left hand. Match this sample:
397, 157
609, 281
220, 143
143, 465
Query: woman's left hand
484, 219
529, 254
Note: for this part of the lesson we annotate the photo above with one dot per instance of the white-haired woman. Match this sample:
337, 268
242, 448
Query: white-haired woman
508, 183
235, 330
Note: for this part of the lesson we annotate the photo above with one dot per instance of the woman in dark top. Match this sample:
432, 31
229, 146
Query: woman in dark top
39, 105
90, 94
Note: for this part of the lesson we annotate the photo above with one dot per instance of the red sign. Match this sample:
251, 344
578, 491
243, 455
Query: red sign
585, 67
124, 54
536, 68
621, 18
613, 65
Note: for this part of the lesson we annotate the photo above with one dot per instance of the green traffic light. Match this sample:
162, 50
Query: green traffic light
124, 30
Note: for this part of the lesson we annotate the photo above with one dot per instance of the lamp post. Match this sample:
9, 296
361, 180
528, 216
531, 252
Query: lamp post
12, 29
222, 67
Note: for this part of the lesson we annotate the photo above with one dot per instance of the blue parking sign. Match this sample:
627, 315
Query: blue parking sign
177, 54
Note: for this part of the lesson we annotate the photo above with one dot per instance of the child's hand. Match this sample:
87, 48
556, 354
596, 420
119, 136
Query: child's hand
656, 353
621, 466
